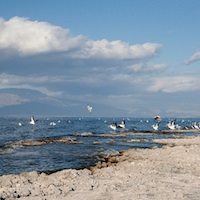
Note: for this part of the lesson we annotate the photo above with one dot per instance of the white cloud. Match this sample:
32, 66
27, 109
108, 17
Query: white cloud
6, 79
31, 37
137, 74
27, 37
121, 77
146, 67
117, 50
174, 84
195, 57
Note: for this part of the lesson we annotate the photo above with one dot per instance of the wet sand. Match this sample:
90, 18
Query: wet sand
170, 172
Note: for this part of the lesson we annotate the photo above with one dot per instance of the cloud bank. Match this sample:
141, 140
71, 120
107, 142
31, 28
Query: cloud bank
26, 37
174, 84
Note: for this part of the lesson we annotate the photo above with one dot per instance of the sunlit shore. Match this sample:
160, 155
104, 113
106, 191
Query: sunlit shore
170, 172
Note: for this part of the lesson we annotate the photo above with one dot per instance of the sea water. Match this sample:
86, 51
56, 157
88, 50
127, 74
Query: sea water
93, 139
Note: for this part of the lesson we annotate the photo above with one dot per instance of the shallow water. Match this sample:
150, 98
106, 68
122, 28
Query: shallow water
87, 139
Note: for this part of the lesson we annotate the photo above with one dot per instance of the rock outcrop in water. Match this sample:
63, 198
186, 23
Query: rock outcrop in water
47, 141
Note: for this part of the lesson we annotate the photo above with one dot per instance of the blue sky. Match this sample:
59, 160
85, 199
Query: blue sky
139, 58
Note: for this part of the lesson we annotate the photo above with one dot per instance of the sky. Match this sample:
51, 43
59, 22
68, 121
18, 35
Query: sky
134, 58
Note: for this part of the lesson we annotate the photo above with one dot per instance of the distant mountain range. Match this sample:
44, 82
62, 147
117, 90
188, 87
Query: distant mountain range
36, 103
30, 102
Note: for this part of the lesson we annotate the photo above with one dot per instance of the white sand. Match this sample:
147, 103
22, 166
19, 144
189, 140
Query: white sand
172, 172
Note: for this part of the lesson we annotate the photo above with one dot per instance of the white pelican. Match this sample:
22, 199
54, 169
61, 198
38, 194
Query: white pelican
173, 125
89, 108
170, 125
52, 123
156, 126
157, 117
195, 126
113, 126
32, 121
116, 126
122, 125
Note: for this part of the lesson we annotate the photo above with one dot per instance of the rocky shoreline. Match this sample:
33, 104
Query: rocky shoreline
170, 172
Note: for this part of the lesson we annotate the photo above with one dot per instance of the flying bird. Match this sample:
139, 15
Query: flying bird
32, 121
89, 108
157, 117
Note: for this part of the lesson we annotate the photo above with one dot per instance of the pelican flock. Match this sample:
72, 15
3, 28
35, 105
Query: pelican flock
170, 126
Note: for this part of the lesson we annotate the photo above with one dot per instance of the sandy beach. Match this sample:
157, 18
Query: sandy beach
170, 172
